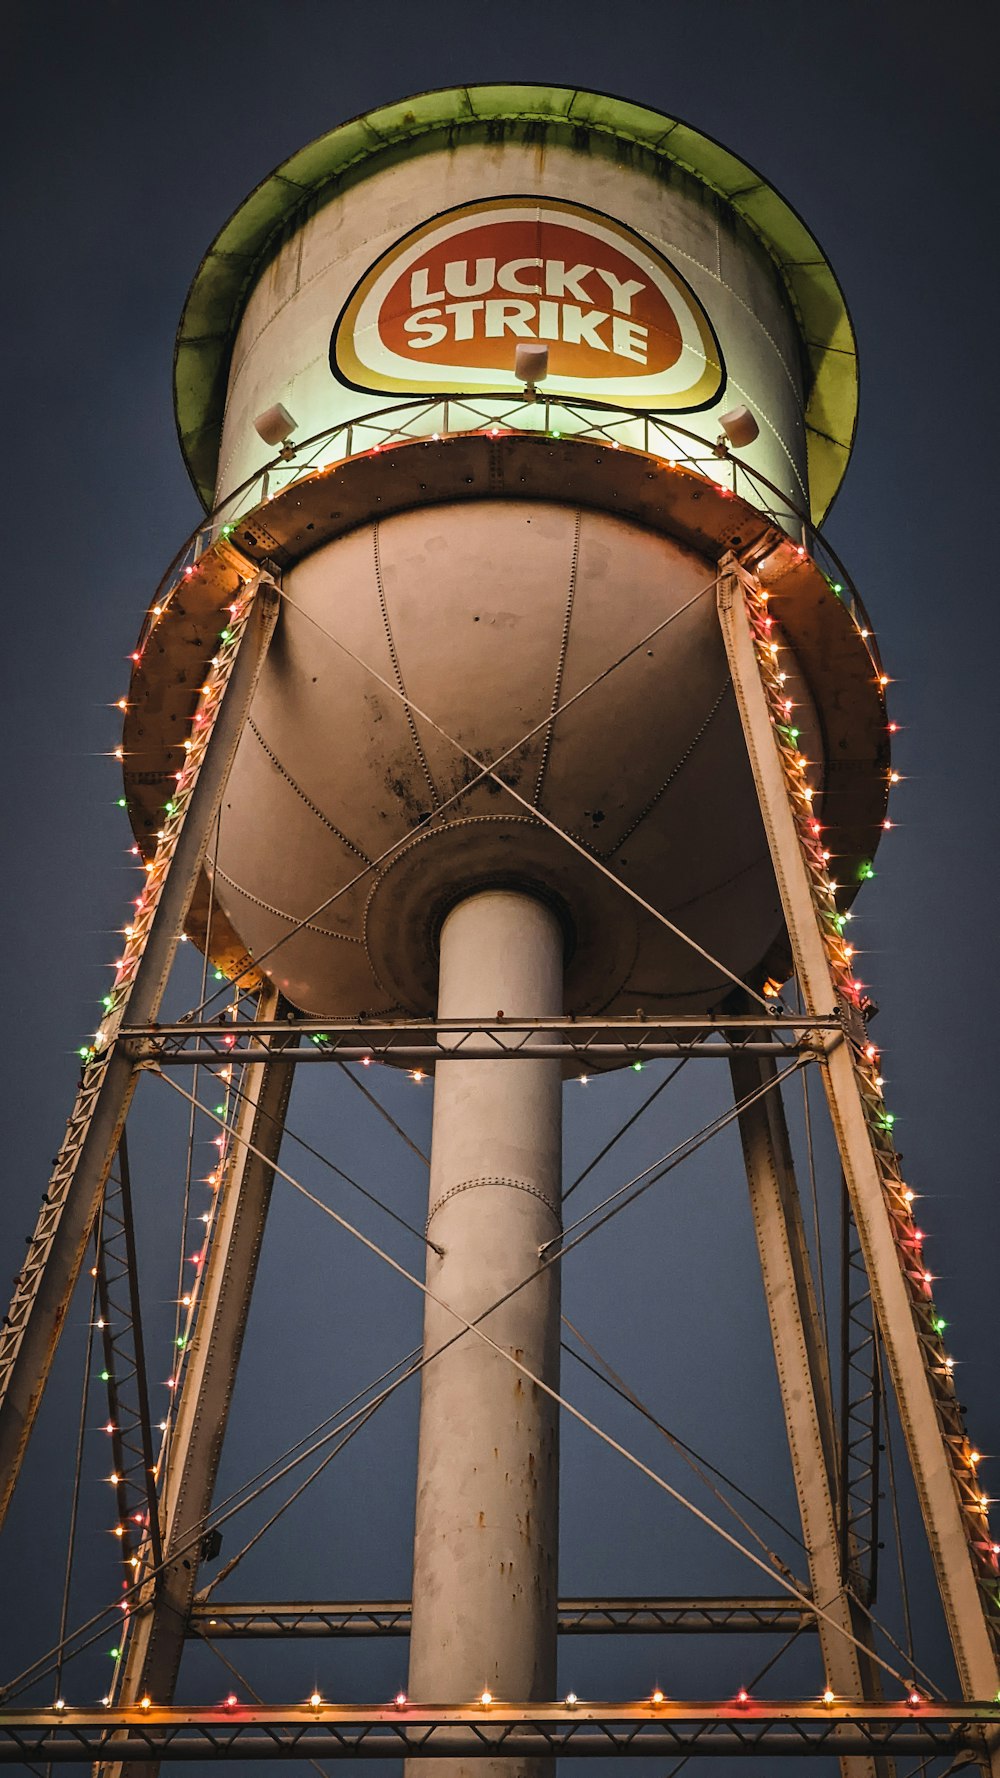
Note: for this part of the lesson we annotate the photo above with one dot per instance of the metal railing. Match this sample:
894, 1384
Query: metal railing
407, 422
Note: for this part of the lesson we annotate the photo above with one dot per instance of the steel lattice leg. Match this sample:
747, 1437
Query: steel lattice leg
120, 1324
803, 1377
954, 1517
31, 1328
160, 1620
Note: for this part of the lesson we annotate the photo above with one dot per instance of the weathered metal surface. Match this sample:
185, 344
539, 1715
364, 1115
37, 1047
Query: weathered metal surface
830, 648
485, 1549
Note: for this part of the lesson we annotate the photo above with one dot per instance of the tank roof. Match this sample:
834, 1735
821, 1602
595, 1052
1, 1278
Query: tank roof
215, 302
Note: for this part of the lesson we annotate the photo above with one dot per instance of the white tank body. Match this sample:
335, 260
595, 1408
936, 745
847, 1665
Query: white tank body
282, 351
488, 615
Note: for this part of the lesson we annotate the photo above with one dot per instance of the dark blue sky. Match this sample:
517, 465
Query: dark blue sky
130, 134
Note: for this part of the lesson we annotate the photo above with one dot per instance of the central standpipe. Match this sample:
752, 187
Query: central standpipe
485, 1584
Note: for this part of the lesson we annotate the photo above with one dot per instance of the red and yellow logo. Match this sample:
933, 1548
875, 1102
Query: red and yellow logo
445, 308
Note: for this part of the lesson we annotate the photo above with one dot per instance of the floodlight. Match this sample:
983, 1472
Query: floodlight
531, 366
739, 426
274, 425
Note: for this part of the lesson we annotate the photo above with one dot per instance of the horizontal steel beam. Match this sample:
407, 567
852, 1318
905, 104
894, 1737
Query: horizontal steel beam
413, 1030
243, 1732
149, 1054
577, 1617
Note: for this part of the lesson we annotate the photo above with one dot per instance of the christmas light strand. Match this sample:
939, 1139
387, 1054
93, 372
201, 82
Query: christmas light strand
964, 1458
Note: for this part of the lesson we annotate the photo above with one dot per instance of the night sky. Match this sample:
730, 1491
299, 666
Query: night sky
131, 133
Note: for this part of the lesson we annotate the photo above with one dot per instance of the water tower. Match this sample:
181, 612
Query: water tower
508, 718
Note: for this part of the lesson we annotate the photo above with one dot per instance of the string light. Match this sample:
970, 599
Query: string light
816, 860
485, 1698
833, 921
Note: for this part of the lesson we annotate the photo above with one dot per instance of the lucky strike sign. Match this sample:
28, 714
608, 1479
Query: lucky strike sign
445, 307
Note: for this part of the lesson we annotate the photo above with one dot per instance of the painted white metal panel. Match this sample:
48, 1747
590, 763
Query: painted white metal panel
283, 346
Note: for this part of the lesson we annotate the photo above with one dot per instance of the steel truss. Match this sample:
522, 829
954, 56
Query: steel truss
577, 1617
423, 1042
33, 1323
124, 1374
160, 1613
831, 1029
585, 1730
803, 1379
954, 1511
860, 1416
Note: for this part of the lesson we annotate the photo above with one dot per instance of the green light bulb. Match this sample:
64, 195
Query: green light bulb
107, 1003
219, 976
105, 1376
122, 803
220, 1111
636, 1067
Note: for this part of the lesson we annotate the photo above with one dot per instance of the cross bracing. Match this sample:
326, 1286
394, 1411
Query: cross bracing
824, 1039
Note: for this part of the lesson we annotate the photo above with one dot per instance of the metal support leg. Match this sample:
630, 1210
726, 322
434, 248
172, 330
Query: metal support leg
485, 1549
132, 1455
860, 1415
955, 1521
803, 1376
159, 1623
31, 1328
